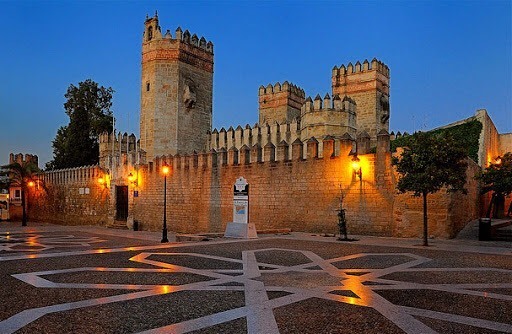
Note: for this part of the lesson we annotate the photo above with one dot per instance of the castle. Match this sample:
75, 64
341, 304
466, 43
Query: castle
177, 89
297, 158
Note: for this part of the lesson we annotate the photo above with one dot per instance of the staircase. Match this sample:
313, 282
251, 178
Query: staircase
119, 225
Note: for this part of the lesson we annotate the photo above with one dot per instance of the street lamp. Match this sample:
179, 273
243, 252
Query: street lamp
165, 171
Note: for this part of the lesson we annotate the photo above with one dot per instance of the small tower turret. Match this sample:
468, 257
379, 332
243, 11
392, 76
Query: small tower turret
280, 103
368, 85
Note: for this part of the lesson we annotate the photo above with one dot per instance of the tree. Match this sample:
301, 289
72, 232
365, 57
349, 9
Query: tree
429, 163
497, 177
21, 175
88, 107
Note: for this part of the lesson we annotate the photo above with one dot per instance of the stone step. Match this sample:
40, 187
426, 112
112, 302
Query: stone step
118, 225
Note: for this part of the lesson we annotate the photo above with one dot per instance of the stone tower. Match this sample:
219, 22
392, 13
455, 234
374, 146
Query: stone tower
280, 103
176, 91
368, 85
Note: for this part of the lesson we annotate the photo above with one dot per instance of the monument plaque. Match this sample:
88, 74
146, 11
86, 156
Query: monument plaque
240, 227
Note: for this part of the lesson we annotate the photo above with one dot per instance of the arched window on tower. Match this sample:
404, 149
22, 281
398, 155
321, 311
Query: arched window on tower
150, 33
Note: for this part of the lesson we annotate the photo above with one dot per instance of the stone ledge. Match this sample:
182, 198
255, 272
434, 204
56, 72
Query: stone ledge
209, 236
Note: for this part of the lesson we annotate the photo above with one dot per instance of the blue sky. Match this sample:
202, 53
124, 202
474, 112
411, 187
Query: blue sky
447, 59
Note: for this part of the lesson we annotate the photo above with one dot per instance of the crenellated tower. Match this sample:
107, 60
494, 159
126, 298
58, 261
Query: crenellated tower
176, 91
280, 103
368, 85
326, 117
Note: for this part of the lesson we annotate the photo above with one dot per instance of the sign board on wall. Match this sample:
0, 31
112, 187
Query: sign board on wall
241, 201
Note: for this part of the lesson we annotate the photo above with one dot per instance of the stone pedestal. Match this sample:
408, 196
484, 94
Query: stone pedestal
240, 230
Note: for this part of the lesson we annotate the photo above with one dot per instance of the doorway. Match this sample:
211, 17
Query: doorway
122, 203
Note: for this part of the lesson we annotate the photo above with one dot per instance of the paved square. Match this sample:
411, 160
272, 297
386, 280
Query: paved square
79, 280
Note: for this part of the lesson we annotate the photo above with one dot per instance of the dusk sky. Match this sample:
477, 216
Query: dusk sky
446, 59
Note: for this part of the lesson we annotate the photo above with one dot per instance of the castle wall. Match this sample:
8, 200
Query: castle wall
505, 142
448, 212
288, 189
300, 194
70, 197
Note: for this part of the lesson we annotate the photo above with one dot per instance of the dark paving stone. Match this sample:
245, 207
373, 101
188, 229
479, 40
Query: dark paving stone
230, 284
17, 296
498, 291
265, 268
138, 315
282, 258
373, 262
298, 279
451, 277
462, 260
313, 316
357, 273
237, 326
445, 327
370, 283
113, 277
447, 302
345, 293
195, 262
277, 294
314, 268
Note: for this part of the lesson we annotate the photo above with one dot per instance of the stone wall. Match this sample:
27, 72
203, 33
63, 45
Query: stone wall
302, 193
70, 197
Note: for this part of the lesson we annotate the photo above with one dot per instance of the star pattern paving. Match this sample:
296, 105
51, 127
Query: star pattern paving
30, 242
294, 275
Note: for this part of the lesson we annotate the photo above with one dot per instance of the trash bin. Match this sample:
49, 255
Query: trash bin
484, 229
135, 225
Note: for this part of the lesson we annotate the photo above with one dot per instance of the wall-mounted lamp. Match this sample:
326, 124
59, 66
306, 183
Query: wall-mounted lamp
104, 181
132, 178
356, 165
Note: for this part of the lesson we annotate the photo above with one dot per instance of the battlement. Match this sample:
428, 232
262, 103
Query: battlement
78, 175
280, 103
259, 134
153, 32
278, 88
368, 85
120, 149
374, 65
328, 104
23, 159
311, 149
122, 142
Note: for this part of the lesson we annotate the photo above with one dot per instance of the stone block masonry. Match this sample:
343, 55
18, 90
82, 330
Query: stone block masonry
302, 193
70, 197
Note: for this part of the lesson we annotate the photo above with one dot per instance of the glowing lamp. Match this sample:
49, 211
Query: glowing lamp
31, 184
357, 166
165, 170
103, 181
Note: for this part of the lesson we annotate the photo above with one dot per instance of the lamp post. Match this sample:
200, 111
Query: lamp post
165, 171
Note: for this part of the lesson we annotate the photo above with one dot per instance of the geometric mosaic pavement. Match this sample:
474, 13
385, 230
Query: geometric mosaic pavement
274, 285
30, 242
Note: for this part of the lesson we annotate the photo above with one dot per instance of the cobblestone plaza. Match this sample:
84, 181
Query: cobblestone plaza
59, 279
